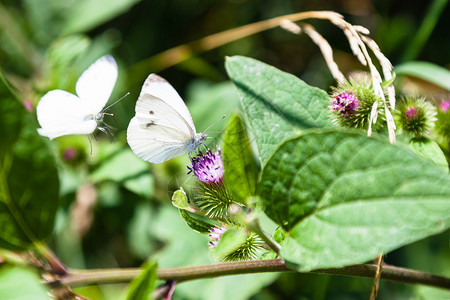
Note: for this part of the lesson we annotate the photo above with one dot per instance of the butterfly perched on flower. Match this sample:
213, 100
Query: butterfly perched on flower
162, 128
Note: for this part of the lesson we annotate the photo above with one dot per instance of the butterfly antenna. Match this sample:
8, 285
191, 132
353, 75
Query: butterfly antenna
115, 102
223, 117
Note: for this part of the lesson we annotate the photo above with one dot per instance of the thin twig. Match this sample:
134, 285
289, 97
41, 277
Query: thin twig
376, 280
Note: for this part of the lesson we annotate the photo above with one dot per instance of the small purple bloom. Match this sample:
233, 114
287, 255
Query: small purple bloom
215, 234
28, 105
70, 153
345, 103
411, 112
207, 167
445, 105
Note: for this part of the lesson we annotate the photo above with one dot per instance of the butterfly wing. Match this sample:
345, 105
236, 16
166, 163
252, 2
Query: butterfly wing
155, 143
96, 83
157, 87
62, 113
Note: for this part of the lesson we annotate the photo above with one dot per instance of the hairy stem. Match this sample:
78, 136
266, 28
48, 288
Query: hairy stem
79, 277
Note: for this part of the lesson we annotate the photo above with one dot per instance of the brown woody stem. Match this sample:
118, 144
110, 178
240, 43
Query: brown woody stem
86, 277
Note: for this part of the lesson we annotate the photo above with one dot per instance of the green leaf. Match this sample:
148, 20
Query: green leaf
88, 14
179, 199
61, 61
196, 222
229, 242
119, 166
344, 198
426, 71
430, 150
29, 183
142, 287
14, 279
206, 103
277, 105
240, 167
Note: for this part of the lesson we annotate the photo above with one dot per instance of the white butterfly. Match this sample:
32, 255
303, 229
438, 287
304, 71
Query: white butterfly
162, 128
62, 113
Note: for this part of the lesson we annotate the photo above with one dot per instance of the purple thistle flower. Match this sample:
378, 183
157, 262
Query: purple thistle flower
411, 112
215, 234
445, 105
207, 167
70, 153
345, 103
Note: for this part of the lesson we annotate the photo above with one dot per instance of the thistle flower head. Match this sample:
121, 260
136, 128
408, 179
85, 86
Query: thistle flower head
251, 245
70, 153
345, 103
415, 116
352, 103
445, 106
443, 119
208, 166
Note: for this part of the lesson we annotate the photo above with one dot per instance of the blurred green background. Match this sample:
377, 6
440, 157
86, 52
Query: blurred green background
115, 209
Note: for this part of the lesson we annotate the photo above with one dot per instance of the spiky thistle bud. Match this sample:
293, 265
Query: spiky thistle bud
352, 104
415, 116
249, 246
213, 197
443, 119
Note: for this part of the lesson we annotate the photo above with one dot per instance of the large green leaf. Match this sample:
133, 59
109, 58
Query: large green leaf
240, 166
344, 198
425, 71
278, 105
29, 183
142, 287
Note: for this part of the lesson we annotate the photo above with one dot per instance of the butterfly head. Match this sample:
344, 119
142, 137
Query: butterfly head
197, 141
96, 117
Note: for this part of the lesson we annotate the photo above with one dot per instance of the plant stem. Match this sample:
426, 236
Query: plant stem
255, 227
80, 277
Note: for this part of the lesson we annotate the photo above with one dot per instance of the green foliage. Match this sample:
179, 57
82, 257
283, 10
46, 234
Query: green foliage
179, 199
426, 71
195, 222
89, 14
29, 183
122, 166
142, 287
14, 279
238, 159
277, 105
430, 150
337, 193
47, 44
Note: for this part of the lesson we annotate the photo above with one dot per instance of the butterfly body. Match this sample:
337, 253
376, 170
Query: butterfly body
162, 127
62, 113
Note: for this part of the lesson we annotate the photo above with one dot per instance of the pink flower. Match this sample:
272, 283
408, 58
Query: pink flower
345, 103
207, 167
445, 105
